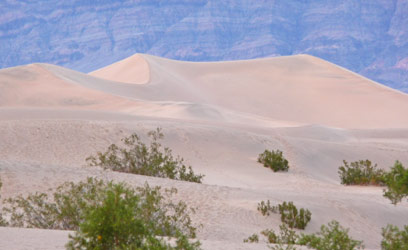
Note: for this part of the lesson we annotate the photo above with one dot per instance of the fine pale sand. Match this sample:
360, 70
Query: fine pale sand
219, 116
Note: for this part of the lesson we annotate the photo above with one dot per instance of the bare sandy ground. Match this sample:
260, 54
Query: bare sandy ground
219, 117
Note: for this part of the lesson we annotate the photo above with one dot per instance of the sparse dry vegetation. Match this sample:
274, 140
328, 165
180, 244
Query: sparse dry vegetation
274, 160
290, 214
136, 157
396, 181
252, 239
394, 238
115, 213
360, 173
330, 237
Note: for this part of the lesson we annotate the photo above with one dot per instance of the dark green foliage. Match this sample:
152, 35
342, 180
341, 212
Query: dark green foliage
67, 209
114, 223
290, 215
285, 240
286, 235
396, 181
293, 217
118, 222
331, 237
138, 158
394, 238
360, 173
251, 239
62, 212
274, 160
270, 235
265, 208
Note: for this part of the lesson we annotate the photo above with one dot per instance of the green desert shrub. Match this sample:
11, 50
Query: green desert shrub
284, 240
274, 160
290, 214
360, 173
118, 221
70, 204
265, 208
251, 239
394, 238
396, 181
138, 158
285, 236
331, 237
293, 217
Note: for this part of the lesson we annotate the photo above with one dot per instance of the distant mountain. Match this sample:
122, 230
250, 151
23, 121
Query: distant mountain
368, 37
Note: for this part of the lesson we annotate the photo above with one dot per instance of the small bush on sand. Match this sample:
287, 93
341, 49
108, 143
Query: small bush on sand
265, 208
394, 238
285, 240
72, 204
331, 237
290, 214
251, 239
274, 160
114, 223
285, 236
118, 222
396, 181
360, 173
138, 158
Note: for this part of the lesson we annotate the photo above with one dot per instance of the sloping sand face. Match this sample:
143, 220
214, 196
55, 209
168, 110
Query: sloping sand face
134, 69
300, 88
219, 117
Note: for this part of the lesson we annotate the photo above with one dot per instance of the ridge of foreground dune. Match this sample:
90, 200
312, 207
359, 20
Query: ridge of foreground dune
218, 116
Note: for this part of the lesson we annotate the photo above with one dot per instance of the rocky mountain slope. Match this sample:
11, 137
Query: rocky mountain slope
368, 37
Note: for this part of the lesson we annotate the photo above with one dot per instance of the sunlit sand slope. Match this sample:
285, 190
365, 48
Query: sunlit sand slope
219, 116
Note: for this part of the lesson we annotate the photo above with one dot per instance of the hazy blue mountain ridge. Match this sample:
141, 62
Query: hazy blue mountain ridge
369, 37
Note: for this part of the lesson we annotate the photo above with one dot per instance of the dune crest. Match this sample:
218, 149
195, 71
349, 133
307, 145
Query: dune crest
133, 70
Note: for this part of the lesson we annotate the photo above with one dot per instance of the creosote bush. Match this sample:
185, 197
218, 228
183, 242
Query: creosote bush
274, 160
394, 238
251, 239
290, 215
114, 223
104, 212
331, 237
360, 173
265, 208
118, 221
396, 181
138, 158
285, 240
285, 236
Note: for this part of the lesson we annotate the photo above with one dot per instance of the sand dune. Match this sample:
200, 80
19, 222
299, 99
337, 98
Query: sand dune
301, 89
219, 116
296, 90
133, 69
